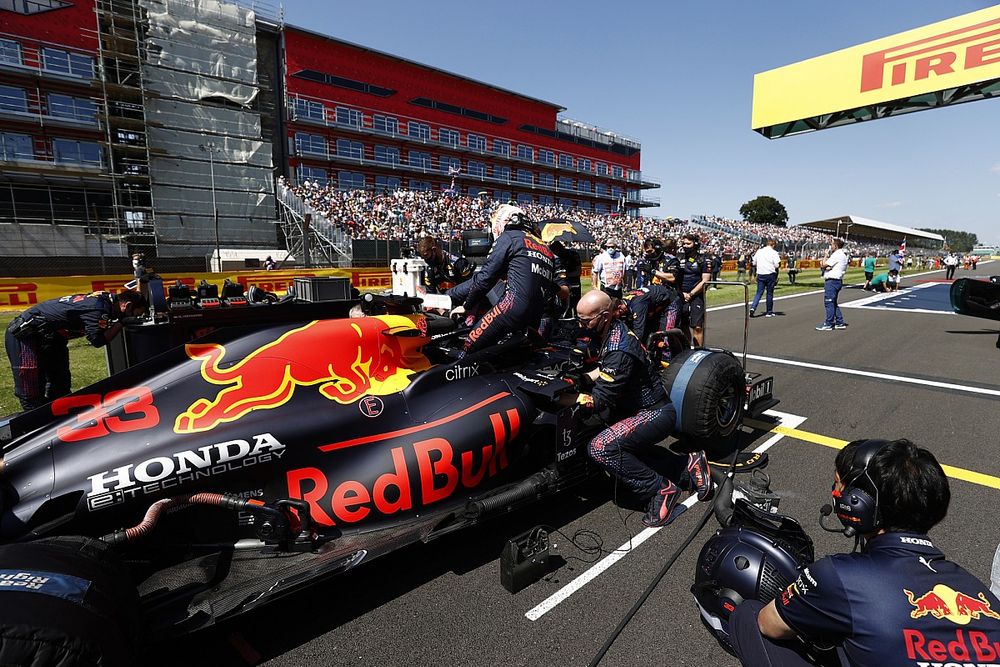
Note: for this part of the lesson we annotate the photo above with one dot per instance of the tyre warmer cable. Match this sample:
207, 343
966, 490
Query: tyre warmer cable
160, 507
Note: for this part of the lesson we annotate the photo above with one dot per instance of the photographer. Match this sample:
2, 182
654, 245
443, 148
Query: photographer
898, 601
36, 340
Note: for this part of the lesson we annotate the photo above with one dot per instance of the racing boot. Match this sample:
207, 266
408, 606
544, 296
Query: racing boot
700, 475
663, 507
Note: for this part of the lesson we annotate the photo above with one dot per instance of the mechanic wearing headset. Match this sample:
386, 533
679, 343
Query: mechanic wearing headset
898, 601
694, 276
36, 340
443, 268
646, 307
527, 263
628, 391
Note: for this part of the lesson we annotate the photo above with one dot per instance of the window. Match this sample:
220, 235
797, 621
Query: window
449, 137
583, 205
546, 156
617, 171
419, 159
566, 161
583, 186
501, 147
600, 188
77, 108
525, 176
602, 169
526, 152
309, 144
386, 183
584, 164
476, 142
601, 208
135, 219
418, 131
501, 173
387, 154
350, 180
70, 151
420, 186
503, 195
15, 147
475, 191
72, 64
13, 99
348, 148
348, 116
525, 199
546, 200
476, 168
10, 52
308, 109
386, 124
446, 163
307, 173
565, 183
565, 203
546, 179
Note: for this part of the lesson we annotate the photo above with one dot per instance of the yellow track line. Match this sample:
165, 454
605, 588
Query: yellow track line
956, 473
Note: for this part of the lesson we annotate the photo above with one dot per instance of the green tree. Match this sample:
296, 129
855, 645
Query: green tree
764, 210
958, 241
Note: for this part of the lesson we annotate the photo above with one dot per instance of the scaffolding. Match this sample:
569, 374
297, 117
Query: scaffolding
310, 236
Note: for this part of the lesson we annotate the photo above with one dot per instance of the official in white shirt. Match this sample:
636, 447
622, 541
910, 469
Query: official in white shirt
834, 267
768, 261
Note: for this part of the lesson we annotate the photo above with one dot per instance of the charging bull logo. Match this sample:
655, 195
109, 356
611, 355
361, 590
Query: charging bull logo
945, 602
555, 229
347, 358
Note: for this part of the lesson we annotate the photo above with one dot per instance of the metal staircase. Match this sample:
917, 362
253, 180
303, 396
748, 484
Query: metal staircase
309, 236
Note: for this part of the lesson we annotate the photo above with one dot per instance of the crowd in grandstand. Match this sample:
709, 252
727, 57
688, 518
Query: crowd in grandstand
407, 215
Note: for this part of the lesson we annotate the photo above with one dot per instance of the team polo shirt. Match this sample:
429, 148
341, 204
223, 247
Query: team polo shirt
897, 603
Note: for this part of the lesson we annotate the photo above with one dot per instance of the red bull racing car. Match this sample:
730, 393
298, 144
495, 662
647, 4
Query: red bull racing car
211, 478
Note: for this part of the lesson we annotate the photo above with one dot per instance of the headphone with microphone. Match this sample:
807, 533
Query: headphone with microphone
857, 510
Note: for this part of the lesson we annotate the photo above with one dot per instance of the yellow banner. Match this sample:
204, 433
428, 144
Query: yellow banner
948, 54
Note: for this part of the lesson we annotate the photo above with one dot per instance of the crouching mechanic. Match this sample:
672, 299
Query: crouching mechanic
628, 388
897, 602
527, 263
36, 340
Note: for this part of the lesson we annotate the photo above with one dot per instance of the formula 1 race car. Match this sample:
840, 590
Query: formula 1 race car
289, 446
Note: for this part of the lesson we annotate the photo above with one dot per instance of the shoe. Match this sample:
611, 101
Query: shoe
770, 315
751, 312
824, 327
700, 474
663, 507
842, 325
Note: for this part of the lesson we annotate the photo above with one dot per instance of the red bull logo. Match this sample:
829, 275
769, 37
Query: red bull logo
945, 602
346, 358
554, 229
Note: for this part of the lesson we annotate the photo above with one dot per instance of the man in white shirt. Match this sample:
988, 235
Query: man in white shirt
609, 270
834, 268
950, 263
768, 261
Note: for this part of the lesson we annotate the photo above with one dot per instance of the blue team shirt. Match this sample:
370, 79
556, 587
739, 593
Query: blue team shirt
897, 603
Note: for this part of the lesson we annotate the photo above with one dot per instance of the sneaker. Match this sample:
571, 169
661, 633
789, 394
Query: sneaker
770, 315
751, 312
663, 507
824, 327
700, 474
842, 325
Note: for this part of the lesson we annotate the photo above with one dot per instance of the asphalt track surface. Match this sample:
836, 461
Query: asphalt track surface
930, 377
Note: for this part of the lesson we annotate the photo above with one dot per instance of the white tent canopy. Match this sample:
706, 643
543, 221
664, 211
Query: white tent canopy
855, 225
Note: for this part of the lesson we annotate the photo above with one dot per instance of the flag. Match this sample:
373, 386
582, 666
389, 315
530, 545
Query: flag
454, 170
902, 246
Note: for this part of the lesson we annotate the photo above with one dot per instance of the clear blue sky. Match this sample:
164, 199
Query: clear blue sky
678, 76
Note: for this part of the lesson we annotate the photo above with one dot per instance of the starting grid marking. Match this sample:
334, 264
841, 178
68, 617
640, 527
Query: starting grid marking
910, 300
605, 563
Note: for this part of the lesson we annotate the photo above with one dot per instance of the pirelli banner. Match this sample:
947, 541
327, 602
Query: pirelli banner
945, 63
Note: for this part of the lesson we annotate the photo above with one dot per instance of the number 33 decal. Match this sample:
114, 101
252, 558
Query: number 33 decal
137, 413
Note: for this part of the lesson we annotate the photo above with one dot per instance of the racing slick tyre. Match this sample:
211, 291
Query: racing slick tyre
707, 388
66, 601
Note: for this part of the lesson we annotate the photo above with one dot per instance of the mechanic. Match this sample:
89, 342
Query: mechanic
568, 270
629, 395
644, 310
661, 259
694, 275
527, 262
444, 269
897, 602
36, 340
885, 282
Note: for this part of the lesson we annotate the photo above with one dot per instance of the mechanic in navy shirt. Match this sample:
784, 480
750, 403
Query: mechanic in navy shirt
629, 395
897, 602
694, 275
36, 340
444, 269
527, 263
650, 309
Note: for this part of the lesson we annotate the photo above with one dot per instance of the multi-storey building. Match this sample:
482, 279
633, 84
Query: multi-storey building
361, 118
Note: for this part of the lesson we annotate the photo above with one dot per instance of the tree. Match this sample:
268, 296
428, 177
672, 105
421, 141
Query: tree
764, 210
958, 241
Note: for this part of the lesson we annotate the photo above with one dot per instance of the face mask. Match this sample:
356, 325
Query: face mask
135, 263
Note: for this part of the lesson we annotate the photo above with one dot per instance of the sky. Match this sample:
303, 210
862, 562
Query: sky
678, 76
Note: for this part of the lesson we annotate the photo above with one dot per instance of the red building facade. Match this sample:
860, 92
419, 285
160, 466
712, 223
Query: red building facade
360, 118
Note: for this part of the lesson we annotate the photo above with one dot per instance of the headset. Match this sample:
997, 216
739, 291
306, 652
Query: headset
857, 510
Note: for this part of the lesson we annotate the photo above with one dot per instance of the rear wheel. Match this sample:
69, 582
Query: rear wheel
707, 389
